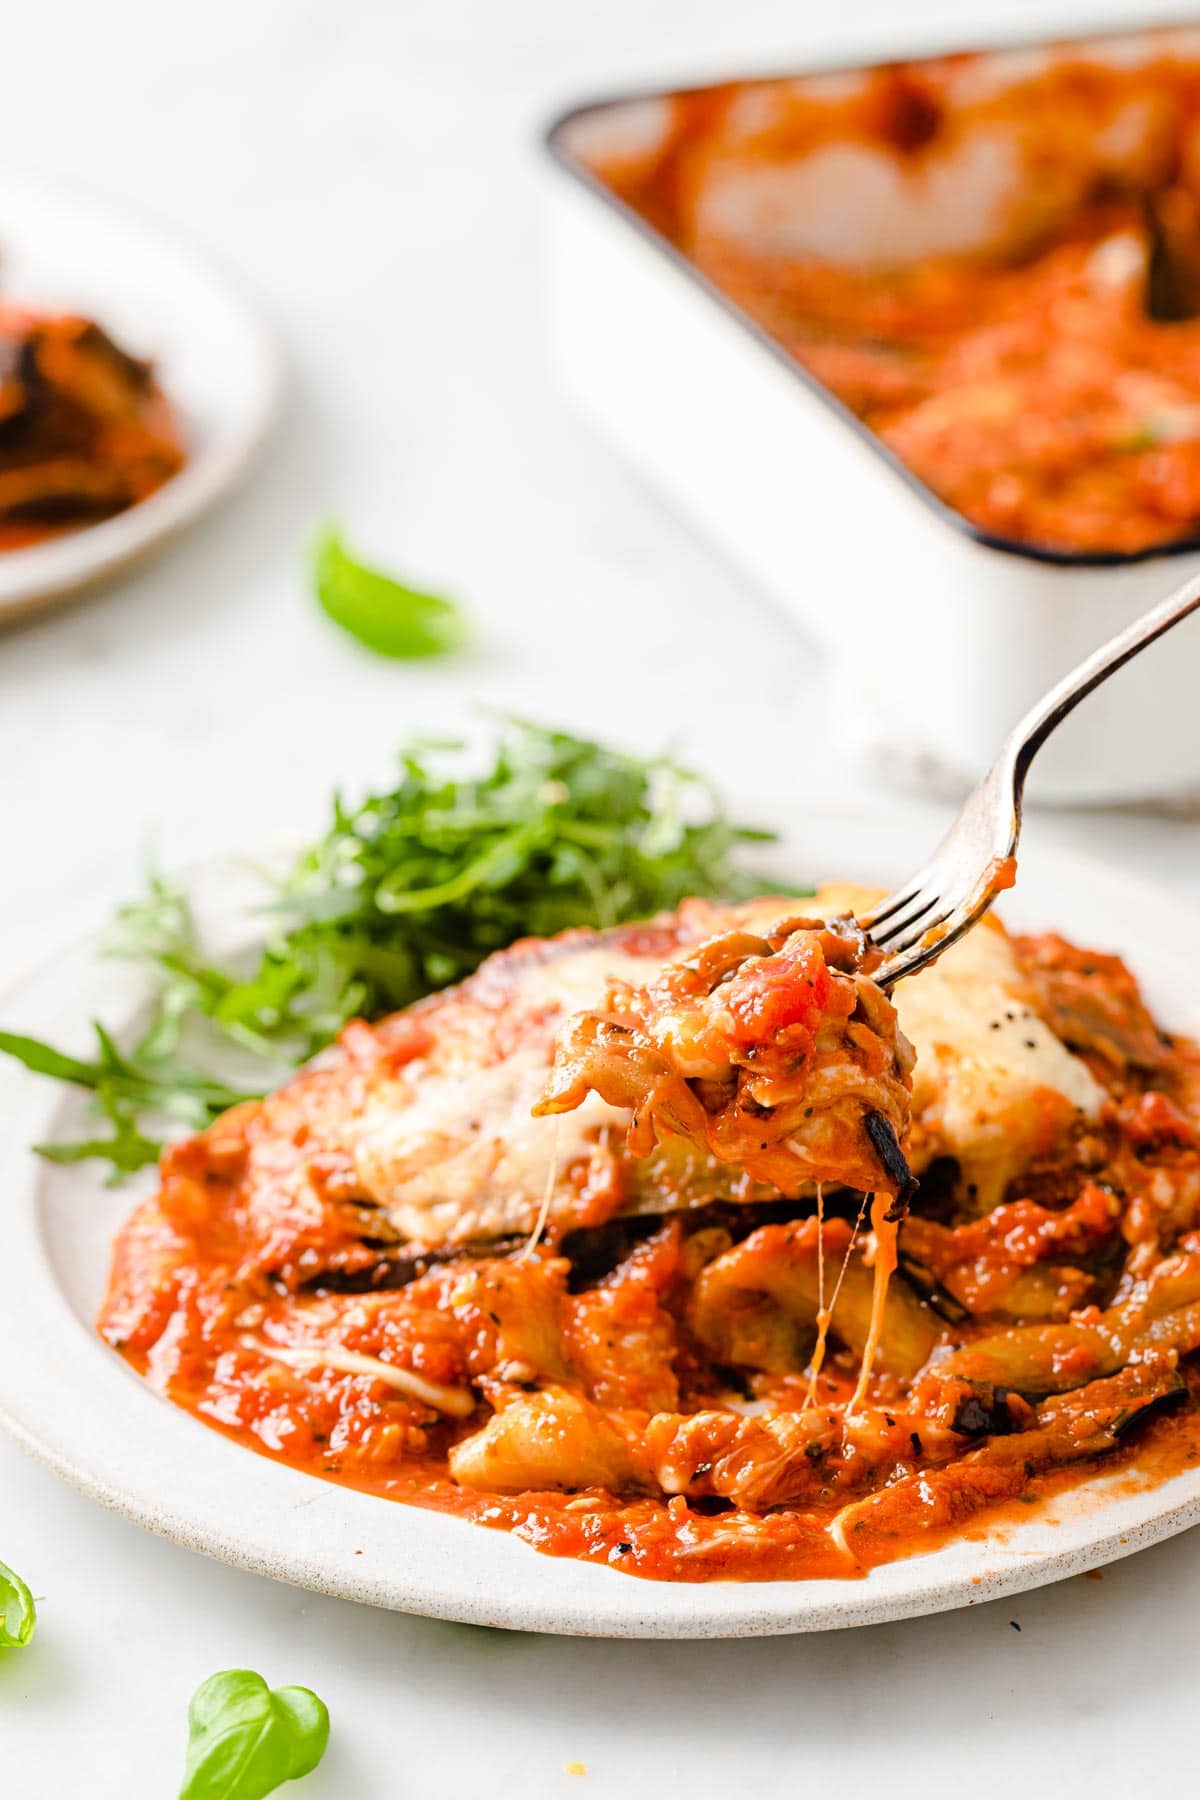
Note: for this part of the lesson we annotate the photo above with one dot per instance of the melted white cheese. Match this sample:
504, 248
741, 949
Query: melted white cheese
993, 1086
449, 1146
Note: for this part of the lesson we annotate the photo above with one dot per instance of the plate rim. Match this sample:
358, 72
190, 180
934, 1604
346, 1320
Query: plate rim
519, 1588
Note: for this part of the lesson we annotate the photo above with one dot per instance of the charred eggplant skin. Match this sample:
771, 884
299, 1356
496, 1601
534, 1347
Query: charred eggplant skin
1140, 1414
985, 1413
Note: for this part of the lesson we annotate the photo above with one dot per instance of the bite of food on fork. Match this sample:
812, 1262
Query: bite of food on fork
780, 1053
776, 1053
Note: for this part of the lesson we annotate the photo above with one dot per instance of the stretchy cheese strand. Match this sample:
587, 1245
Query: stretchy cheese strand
886, 1235
823, 1314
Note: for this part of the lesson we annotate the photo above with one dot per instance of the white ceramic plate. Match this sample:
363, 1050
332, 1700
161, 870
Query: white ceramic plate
69, 251
75, 1405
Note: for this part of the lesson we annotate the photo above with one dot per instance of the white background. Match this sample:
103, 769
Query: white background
371, 172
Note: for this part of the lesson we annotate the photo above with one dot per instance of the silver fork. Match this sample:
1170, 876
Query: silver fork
969, 867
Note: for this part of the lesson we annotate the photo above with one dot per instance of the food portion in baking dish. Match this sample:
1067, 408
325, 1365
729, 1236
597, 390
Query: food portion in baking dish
614, 1245
993, 261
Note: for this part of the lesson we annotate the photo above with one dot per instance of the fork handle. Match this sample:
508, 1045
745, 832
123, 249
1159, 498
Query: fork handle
1027, 738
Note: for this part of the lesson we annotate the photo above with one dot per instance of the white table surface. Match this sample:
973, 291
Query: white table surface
371, 171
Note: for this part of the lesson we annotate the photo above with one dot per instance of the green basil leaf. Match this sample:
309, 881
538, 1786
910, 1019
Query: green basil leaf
18, 1614
382, 613
246, 1739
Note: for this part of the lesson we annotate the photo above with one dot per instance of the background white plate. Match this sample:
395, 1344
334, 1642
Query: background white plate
76, 1406
70, 251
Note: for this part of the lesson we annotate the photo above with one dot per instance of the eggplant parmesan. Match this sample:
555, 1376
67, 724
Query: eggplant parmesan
614, 1245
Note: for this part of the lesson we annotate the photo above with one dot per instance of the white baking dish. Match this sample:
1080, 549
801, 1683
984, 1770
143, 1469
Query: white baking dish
938, 638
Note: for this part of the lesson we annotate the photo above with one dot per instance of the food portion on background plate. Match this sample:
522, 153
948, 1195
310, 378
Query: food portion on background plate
105, 456
85, 429
993, 262
609, 1245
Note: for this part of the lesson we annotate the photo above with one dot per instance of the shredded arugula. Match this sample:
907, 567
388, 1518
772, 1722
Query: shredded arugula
404, 893
126, 1090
